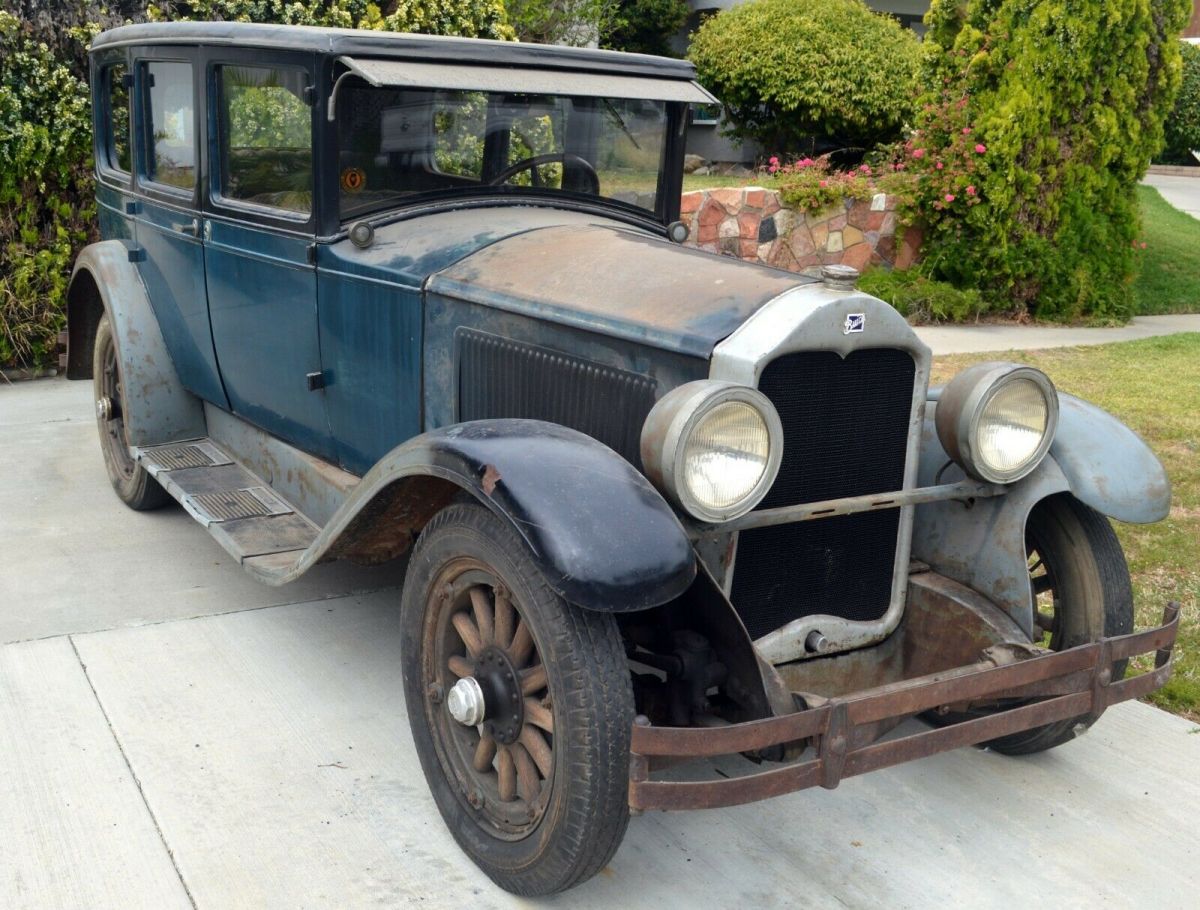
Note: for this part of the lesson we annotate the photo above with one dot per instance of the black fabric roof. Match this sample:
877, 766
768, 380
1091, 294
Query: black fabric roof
430, 48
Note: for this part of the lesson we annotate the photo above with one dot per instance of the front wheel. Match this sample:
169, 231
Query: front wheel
131, 482
520, 706
1080, 582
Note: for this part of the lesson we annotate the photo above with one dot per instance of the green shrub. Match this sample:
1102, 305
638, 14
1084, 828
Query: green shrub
787, 70
46, 205
1062, 103
1182, 128
920, 299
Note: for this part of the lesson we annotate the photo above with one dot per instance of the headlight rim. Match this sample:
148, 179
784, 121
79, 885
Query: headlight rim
683, 409
961, 406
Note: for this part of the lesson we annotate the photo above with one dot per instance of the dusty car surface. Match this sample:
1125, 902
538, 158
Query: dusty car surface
364, 295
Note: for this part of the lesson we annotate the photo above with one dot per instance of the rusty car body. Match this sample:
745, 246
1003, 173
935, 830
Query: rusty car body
365, 296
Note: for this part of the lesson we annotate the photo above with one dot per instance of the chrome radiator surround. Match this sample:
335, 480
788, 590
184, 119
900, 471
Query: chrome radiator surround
817, 317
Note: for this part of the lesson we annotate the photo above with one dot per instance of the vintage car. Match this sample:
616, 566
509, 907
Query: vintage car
363, 296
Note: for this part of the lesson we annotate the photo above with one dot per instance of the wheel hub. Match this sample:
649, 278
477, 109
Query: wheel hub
106, 409
499, 685
465, 702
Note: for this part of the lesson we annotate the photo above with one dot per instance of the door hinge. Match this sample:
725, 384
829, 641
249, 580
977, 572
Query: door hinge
315, 380
310, 253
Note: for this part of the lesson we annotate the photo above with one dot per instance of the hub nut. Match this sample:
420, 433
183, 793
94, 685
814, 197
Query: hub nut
464, 701
104, 408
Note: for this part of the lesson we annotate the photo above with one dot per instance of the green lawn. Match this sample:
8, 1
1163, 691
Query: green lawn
1169, 281
1154, 387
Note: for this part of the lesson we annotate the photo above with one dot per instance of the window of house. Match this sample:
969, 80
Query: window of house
171, 124
266, 137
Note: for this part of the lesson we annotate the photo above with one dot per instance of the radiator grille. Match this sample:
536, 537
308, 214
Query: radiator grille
499, 377
845, 433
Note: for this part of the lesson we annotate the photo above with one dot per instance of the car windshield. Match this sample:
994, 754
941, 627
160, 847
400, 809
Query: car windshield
399, 143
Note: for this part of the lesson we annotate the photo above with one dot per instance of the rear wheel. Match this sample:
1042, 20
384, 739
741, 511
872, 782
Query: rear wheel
1082, 592
520, 705
132, 483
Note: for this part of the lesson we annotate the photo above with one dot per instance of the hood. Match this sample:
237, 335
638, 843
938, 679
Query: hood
616, 282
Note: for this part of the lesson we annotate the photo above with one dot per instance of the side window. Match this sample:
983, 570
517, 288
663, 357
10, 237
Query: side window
170, 126
266, 137
116, 155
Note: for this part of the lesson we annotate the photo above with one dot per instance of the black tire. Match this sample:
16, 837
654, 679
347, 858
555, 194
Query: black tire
567, 824
131, 482
1086, 583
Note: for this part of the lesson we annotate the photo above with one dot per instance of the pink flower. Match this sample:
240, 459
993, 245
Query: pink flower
971, 191
774, 160
980, 148
1143, 244
806, 162
865, 169
824, 183
940, 165
949, 197
918, 153
966, 131
773, 168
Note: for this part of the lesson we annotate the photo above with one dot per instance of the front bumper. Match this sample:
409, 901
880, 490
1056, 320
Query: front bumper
1073, 683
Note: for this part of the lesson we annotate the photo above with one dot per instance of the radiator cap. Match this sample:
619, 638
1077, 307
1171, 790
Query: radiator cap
839, 276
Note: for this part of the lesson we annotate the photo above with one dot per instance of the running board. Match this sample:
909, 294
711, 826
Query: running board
249, 519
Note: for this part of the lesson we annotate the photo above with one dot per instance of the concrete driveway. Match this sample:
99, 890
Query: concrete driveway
173, 734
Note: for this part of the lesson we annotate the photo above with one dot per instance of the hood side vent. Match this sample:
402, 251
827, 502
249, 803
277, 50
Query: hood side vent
499, 377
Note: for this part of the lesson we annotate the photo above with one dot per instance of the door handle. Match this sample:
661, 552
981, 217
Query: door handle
192, 229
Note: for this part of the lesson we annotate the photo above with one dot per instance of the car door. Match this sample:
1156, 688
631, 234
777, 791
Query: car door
259, 244
166, 212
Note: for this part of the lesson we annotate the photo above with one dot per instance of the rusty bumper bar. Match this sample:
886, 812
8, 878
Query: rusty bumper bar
1072, 683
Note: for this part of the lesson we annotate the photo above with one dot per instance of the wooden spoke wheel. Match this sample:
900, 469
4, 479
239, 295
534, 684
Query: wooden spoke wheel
484, 648
1080, 587
520, 704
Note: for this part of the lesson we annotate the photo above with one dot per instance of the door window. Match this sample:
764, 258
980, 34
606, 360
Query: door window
266, 137
171, 124
116, 154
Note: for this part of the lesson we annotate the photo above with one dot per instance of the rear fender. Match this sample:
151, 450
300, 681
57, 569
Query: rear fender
981, 543
157, 408
602, 536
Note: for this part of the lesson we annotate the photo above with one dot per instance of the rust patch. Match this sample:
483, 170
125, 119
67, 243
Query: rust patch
491, 477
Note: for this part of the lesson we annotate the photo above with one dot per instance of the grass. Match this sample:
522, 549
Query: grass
1153, 386
1169, 281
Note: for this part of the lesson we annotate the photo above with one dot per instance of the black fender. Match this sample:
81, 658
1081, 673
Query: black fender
602, 536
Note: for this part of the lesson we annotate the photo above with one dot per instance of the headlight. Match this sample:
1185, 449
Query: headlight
713, 448
997, 420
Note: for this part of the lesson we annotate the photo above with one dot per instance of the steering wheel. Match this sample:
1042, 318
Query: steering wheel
532, 163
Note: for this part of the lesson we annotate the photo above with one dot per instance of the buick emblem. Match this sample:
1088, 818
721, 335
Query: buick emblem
855, 322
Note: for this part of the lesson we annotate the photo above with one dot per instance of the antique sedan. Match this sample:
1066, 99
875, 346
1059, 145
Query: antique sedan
366, 296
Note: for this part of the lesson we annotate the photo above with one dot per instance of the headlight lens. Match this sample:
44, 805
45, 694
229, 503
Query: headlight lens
1011, 426
713, 448
997, 420
726, 455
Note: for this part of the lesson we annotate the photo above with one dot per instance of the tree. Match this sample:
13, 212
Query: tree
645, 26
1065, 102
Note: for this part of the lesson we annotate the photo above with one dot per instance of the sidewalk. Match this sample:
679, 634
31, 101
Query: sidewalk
970, 339
175, 735
1181, 192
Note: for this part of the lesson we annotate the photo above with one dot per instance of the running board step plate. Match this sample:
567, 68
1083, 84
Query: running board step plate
240, 510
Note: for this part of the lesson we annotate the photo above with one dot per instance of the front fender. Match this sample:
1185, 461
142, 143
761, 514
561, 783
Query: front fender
1094, 457
157, 408
602, 536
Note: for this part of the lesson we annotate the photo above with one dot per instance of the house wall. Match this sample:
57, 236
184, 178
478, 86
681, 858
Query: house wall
1193, 29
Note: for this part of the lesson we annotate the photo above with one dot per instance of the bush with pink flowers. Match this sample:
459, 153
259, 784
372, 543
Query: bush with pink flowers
1037, 123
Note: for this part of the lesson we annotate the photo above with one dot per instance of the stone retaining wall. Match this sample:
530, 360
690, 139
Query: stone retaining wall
752, 223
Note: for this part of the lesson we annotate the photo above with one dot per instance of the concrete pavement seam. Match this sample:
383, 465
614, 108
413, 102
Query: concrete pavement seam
160, 622
133, 774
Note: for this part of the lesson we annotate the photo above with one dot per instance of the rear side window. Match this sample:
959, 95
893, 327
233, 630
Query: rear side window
266, 137
171, 124
117, 154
